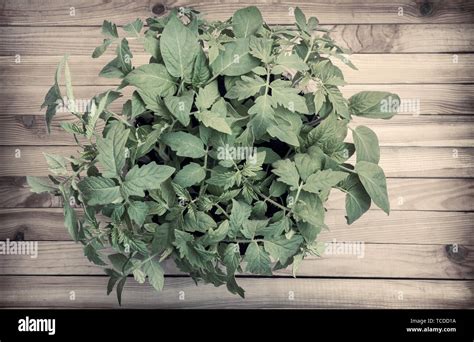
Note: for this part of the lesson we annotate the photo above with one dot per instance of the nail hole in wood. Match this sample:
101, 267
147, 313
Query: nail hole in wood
158, 9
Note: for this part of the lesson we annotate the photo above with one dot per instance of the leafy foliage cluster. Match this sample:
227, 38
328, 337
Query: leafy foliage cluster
150, 180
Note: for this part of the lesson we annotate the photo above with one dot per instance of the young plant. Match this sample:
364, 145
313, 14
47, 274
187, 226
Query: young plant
224, 154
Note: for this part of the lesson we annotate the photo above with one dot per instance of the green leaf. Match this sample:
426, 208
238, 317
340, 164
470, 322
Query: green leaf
235, 60
373, 179
307, 165
287, 173
231, 257
100, 50
366, 144
286, 96
56, 164
246, 21
96, 110
91, 254
138, 211
201, 71
261, 48
374, 104
184, 144
180, 106
282, 249
153, 80
179, 48
199, 221
258, 261
112, 150
39, 185
109, 29
134, 28
246, 87
214, 236
357, 199
190, 175
99, 190
155, 273
300, 19
207, 96
239, 214
146, 177
310, 208
323, 180
289, 62
338, 102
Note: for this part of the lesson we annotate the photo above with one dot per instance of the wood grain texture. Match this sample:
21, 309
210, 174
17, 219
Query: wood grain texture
404, 193
403, 130
54, 292
413, 162
92, 12
392, 38
443, 99
411, 227
375, 261
373, 69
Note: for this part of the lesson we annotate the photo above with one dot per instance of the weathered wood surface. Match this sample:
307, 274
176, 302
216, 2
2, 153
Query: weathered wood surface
443, 99
404, 193
411, 227
262, 293
92, 12
403, 130
378, 38
414, 162
372, 69
374, 260
427, 154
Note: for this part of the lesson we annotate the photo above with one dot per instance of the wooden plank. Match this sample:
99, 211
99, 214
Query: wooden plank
444, 99
413, 162
92, 12
375, 260
398, 38
55, 292
405, 194
373, 69
403, 130
411, 227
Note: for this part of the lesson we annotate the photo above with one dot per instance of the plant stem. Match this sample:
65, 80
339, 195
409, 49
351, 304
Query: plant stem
268, 199
346, 169
221, 209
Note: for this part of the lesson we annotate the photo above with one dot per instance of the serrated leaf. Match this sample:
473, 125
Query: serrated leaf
207, 96
180, 106
323, 180
146, 177
155, 273
184, 144
179, 48
56, 164
282, 249
190, 175
112, 150
152, 80
99, 190
235, 60
258, 261
287, 173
